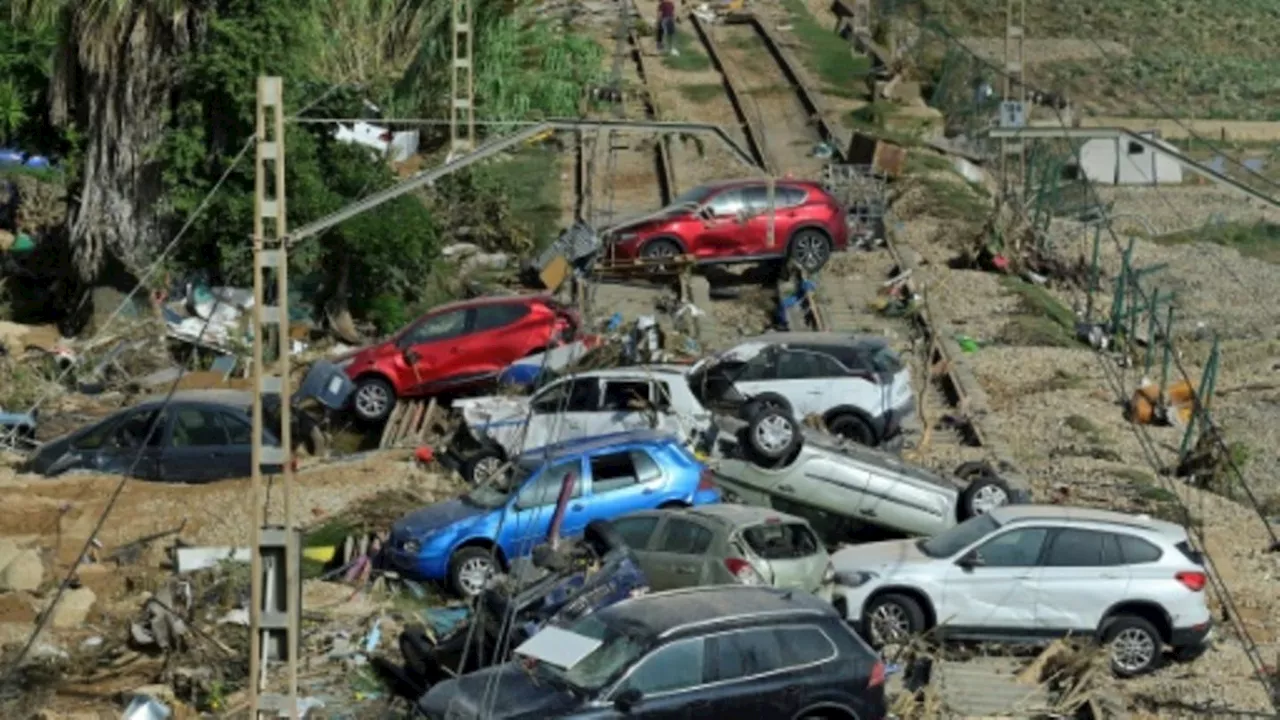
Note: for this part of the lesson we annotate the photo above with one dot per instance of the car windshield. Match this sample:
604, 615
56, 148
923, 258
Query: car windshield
695, 196
950, 542
616, 653
885, 360
495, 490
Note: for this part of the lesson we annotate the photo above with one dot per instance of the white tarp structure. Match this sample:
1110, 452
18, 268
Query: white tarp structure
1125, 161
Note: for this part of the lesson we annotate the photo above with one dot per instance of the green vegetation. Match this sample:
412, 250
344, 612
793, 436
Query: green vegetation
842, 72
1042, 321
1259, 240
1083, 425
951, 197
702, 92
691, 57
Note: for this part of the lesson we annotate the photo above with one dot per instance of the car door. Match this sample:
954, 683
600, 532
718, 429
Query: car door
1084, 574
197, 448
638, 531
238, 453
757, 374
494, 333
627, 404
669, 680
751, 674
679, 556
433, 354
808, 380
528, 518
999, 593
562, 411
723, 227
783, 208
896, 497
135, 445
622, 482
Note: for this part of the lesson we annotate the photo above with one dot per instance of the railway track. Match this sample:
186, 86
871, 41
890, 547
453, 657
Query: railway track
741, 44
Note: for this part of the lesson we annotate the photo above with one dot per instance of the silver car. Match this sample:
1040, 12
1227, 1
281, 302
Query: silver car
726, 544
776, 462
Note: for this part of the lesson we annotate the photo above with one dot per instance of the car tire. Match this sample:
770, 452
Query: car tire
852, 427
809, 249
469, 569
1134, 646
764, 401
660, 248
772, 435
483, 463
373, 399
983, 494
898, 616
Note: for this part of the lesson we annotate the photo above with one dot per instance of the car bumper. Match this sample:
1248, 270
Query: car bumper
411, 565
1193, 636
706, 497
894, 419
849, 600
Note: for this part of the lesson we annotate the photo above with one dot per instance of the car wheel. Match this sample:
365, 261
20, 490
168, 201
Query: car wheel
982, 495
853, 428
660, 248
373, 399
1134, 645
773, 435
891, 619
810, 250
484, 464
470, 570
764, 401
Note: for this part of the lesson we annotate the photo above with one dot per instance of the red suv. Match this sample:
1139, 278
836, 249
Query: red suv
730, 221
454, 348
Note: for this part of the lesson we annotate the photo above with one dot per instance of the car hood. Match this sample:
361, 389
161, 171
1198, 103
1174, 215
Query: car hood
483, 413
522, 696
434, 518
879, 556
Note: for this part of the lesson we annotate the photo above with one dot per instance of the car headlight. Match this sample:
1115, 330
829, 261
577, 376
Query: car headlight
411, 546
854, 578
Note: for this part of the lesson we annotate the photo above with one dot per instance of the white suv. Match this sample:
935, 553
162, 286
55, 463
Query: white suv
858, 385
1024, 573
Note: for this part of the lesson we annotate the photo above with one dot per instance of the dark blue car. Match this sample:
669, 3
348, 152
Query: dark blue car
612, 475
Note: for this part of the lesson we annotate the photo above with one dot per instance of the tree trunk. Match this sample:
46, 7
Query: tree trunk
117, 77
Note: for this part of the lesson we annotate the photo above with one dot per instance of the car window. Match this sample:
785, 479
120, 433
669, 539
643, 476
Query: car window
804, 645
142, 427
193, 427
635, 531
958, 537
781, 541
611, 472
492, 317
674, 667
685, 538
1083, 548
728, 202
584, 395
97, 435
545, 490
437, 327
801, 364
552, 398
1136, 550
885, 360
1017, 548
647, 469
662, 400
743, 654
626, 395
239, 431
791, 196
760, 367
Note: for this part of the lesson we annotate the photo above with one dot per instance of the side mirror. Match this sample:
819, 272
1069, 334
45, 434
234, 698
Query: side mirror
411, 357
970, 561
627, 699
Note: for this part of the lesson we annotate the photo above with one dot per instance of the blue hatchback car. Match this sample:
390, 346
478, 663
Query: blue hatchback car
613, 475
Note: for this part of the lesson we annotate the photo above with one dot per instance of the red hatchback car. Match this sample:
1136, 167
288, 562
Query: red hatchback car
729, 221
455, 348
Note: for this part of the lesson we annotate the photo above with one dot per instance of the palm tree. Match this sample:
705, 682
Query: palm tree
114, 72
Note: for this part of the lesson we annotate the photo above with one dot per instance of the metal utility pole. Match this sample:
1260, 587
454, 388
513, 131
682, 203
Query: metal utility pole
462, 113
1013, 101
275, 608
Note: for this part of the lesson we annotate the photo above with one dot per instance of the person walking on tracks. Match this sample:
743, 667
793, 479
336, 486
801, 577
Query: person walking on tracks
667, 27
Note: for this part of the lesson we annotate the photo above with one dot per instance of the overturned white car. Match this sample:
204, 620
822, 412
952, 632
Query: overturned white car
578, 406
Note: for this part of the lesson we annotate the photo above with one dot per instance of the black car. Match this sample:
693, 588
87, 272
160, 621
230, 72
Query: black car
200, 436
725, 651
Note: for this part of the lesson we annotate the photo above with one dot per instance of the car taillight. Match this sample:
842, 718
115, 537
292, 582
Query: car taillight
706, 481
742, 570
1195, 581
877, 675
